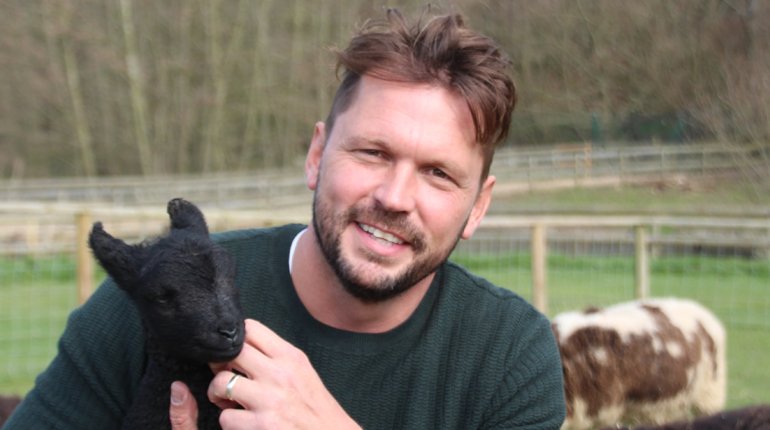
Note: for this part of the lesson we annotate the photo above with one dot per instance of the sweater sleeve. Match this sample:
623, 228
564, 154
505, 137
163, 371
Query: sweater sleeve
99, 363
531, 396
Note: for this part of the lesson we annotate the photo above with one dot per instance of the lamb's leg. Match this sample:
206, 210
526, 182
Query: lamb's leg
185, 215
149, 409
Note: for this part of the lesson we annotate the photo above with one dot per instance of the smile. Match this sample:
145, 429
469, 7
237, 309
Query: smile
380, 236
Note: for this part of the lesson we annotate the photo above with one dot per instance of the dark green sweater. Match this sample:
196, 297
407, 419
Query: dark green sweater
471, 356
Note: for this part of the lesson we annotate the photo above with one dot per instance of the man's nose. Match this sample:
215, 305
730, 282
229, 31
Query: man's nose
397, 191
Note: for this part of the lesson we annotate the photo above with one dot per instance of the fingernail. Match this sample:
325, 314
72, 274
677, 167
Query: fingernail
177, 394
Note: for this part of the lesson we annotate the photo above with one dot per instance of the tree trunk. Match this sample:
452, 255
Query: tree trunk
215, 146
136, 84
258, 131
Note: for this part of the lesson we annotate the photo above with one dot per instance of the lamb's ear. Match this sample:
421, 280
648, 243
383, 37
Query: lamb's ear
118, 259
185, 215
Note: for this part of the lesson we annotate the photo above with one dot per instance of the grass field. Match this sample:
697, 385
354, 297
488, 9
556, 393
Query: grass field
37, 294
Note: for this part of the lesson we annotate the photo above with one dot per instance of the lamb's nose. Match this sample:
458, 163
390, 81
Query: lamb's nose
230, 334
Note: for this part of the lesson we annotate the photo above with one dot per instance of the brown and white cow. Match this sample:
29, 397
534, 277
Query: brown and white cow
644, 362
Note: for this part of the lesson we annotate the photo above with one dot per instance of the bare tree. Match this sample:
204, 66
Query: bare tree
136, 81
168, 86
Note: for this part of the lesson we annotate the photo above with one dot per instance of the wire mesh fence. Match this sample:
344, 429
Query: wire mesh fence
36, 296
589, 261
37, 292
595, 266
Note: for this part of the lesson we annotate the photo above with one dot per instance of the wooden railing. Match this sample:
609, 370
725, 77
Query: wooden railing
576, 164
582, 162
23, 233
647, 239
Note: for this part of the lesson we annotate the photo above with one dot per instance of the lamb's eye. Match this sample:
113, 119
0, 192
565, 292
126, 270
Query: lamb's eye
161, 299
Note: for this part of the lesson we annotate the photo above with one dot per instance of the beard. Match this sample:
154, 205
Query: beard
329, 226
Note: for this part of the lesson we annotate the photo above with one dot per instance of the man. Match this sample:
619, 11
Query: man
362, 321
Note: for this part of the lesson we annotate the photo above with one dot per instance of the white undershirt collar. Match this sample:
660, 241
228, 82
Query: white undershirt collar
294, 246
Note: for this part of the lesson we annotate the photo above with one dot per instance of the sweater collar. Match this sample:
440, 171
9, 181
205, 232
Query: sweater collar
343, 340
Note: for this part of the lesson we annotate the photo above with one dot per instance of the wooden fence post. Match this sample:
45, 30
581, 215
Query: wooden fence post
539, 244
767, 248
85, 263
622, 171
32, 235
655, 246
662, 162
642, 281
529, 172
588, 160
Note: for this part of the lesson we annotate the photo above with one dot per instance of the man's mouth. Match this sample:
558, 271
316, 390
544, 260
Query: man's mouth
380, 236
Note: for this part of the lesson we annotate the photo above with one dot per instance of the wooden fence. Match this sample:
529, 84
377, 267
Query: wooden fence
514, 168
582, 162
750, 235
20, 234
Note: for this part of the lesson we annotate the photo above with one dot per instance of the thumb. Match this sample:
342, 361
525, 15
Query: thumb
183, 410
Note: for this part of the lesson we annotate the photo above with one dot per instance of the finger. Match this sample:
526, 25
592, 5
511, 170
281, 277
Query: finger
265, 340
237, 419
251, 362
218, 367
183, 411
239, 392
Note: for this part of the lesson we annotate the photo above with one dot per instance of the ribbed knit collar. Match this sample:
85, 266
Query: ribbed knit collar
343, 340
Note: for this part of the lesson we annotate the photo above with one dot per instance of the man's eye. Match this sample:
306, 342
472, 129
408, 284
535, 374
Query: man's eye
439, 173
373, 152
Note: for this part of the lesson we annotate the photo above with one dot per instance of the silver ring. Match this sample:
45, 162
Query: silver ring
229, 389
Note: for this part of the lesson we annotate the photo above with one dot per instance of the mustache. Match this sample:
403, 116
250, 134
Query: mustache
396, 222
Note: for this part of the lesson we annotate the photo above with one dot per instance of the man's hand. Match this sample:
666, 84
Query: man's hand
282, 390
183, 410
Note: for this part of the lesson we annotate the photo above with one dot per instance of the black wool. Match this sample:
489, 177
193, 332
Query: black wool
183, 285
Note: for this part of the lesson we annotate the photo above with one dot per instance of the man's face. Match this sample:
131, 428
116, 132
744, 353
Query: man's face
397, 184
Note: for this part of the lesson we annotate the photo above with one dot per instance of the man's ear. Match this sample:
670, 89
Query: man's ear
479, 207
314, 153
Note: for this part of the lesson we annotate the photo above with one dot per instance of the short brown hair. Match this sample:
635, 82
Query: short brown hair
439, 51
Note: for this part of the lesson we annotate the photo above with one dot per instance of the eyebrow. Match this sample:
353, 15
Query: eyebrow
453, 169
364, 139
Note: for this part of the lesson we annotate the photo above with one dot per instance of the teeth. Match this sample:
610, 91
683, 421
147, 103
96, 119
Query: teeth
380, 236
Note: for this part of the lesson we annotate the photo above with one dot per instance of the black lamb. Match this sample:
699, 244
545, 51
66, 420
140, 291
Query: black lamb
183, 286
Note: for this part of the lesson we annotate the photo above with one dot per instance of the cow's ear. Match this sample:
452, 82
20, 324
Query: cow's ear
185, 215
119, 260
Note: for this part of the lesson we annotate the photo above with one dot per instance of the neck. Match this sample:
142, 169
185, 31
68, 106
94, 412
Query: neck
327, 301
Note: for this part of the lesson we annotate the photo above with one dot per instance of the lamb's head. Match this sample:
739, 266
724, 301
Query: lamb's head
182, 284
